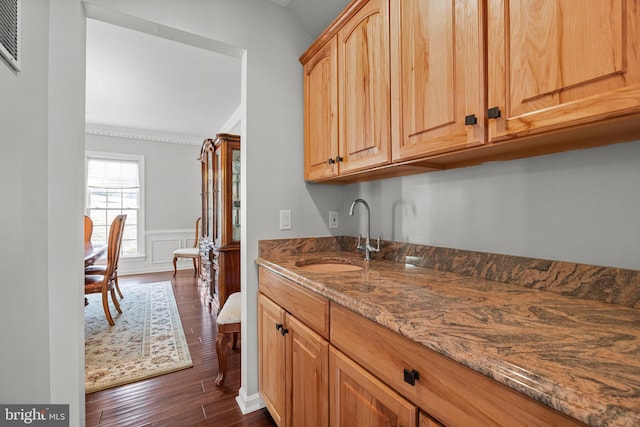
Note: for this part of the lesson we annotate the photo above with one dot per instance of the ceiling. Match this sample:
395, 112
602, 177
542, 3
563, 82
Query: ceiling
132, 87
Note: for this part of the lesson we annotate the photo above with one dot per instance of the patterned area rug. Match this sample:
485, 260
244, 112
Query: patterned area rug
147, 340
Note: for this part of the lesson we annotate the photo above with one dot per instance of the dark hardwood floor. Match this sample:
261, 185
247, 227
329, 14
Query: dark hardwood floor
185, 398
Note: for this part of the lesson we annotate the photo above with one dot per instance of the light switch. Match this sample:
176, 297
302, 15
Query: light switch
285, 220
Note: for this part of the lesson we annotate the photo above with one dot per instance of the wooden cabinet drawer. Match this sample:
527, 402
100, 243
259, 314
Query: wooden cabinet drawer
306, 305
450, 392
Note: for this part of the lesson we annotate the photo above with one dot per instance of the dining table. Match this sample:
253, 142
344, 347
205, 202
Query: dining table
92, 252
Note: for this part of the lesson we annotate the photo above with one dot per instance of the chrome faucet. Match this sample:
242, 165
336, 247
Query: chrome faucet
367, 246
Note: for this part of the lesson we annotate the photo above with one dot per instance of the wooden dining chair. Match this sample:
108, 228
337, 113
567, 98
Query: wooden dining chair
193, 252
105, 283
100, 269
88, 228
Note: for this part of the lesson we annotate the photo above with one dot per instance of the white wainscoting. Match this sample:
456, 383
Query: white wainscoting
159, 245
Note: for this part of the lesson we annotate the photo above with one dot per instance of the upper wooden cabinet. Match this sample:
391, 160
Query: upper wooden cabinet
437, 84
347, 77
560, 63
437, 76
364, 95
321, 113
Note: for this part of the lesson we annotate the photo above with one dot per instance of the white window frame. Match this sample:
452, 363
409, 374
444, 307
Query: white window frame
141, 174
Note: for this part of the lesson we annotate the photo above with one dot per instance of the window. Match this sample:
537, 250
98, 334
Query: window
114, 187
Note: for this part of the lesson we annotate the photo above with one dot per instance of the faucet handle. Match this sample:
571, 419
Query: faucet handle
360, 245
377, 249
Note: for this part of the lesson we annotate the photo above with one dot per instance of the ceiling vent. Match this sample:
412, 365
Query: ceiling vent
10, 31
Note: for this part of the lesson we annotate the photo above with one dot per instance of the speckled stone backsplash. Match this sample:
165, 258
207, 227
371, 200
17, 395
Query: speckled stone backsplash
606, 284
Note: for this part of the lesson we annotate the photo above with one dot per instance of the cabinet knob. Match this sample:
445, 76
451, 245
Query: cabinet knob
284, 331
471, 119
278, 326
493, 112
331, 161
338, 159
411, 376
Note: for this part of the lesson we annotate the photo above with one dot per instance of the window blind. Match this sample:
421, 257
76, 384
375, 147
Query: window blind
112, 174
9, 31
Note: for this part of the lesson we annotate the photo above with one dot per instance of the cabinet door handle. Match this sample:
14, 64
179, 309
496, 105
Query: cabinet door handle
331, 161
493, 112
278, 326
338, 159
284, 331
471, 119
411, 376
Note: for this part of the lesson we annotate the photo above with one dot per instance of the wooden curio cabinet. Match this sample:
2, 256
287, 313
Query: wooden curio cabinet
220, 242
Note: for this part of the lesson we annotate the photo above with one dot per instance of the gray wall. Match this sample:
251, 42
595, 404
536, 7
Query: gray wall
172, 187
581, 206
24, 306
172, 179
42, 146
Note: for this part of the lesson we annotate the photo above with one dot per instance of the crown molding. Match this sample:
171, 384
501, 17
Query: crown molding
142, 135
230, 125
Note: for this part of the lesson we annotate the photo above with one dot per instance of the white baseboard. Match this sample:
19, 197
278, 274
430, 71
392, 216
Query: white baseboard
151, 269
160, 245
249, 404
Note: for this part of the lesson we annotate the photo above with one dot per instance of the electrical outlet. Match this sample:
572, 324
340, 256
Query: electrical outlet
333, 219
285, 220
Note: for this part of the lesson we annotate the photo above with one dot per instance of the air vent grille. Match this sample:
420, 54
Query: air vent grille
9, 31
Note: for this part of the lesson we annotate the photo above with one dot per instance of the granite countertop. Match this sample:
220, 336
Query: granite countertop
579, 356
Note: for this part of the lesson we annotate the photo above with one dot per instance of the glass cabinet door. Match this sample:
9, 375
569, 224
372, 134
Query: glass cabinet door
222, 200
209, 197
218, 193
235, 195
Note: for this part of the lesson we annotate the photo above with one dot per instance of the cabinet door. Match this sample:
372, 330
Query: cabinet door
561, 63
321, 113
363, 74
427, 421
437, 52
358, 399
308, 368
271, 357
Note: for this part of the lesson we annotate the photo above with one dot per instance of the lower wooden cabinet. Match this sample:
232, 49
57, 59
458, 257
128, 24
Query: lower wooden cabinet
294, 368
271, 358
448, 391
367, 375
358, 399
